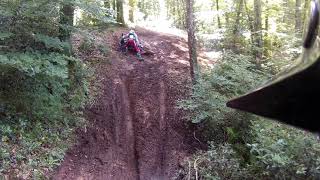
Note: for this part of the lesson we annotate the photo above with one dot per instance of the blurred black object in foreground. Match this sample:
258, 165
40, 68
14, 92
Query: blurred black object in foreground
293, 96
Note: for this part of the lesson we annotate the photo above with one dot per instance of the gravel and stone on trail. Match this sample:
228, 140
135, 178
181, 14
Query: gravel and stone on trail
135, 130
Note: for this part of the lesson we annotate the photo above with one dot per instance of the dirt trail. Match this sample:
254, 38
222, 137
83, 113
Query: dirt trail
136, 131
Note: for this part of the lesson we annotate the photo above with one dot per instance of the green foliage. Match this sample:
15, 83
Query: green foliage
281, 152
176, 11
34, 63
92, 44
258, 148
149, 8
93, 13
219, 162
43, 88
232, 76
87, 45
281, 50
52, 43
5, 35
38, 113
32, 149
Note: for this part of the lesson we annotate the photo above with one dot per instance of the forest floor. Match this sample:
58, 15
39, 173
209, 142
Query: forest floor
135, 130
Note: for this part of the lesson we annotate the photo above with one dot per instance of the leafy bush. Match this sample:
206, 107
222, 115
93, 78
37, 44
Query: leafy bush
284, 152
258, 148
93, 13
42, 88
219, 162
233, 75
32, 149
87, 45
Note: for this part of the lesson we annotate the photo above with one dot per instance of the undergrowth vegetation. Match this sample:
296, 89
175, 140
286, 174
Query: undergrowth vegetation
244, 145
256, 40
45, 83
43, 86
280, 152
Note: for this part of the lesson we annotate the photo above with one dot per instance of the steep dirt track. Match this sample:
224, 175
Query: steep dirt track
136, 131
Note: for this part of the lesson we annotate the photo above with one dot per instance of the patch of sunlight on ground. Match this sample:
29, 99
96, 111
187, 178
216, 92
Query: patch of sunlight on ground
183, 61
217, 35
181, 47
213, 54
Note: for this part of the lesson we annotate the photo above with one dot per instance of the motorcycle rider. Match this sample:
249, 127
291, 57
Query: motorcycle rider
131, 40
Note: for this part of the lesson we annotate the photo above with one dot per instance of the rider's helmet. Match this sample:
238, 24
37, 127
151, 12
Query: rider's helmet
131, 34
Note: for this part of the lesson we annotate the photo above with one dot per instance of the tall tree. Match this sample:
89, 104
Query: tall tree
218, 15
132, 4
192, 40
250, 21
114, 8
114, 5
286, 16
236, 35
258, 30
267, 41
66, 19
107, 4
298, 17
305, 11
120, 18
266, 20
238, 17
180, 14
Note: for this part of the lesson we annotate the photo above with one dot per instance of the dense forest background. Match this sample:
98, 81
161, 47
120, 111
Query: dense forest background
44, 86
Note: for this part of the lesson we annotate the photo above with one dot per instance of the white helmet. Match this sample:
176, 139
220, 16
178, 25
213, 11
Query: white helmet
131, 31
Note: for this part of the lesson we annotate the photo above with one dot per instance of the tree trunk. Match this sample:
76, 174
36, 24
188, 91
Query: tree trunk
131, 10
258, 30
267, 41
168, 6
183, 15
107, 4
181, 12
286, 12
174, 12
192, 41
237, 22
120, 18
298, 23
66, 19
305, 12
227, 18
143, 9
266, 21
218, 16
236, 27
114, 5
251, 23
114, 8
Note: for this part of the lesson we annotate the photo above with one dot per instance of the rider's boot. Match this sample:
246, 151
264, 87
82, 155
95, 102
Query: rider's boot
139, 56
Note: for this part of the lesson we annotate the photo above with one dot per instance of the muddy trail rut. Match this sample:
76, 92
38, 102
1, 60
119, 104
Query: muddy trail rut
135, 130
